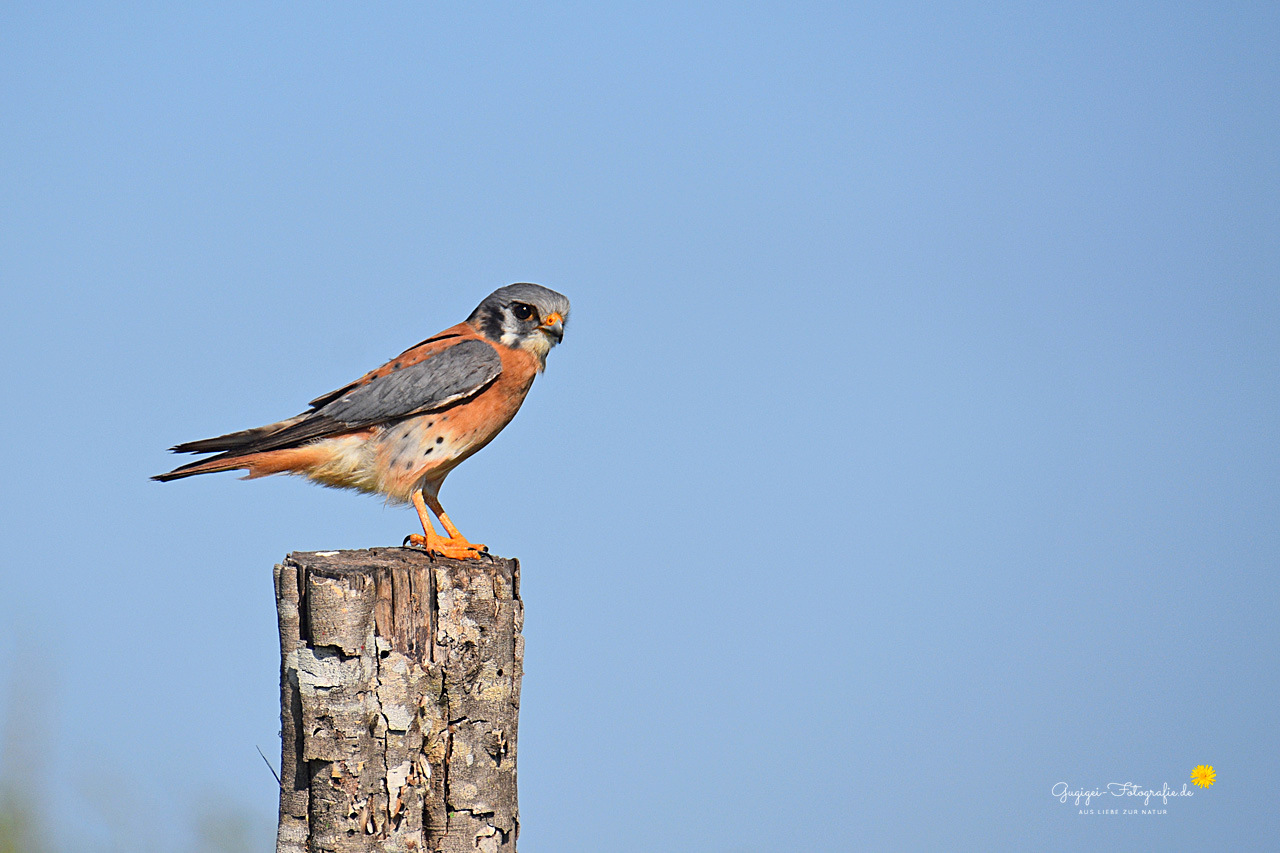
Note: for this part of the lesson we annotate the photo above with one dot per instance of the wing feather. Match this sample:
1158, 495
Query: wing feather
442, 379
411, 352
451, 375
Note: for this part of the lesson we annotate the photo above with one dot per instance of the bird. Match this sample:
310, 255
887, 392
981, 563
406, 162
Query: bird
400, 429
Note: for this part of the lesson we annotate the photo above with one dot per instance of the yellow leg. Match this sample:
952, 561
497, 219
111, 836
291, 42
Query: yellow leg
455, 546
434, 502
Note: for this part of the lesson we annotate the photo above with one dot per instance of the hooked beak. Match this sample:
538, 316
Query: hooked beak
553, 325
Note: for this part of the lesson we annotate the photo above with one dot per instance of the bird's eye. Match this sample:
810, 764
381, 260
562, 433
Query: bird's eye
522, 311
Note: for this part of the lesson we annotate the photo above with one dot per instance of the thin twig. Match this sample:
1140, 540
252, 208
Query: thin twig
269, 767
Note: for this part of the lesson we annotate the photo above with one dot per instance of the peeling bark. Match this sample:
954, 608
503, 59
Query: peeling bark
399, 698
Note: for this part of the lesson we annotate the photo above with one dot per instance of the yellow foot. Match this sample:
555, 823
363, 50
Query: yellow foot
458, 549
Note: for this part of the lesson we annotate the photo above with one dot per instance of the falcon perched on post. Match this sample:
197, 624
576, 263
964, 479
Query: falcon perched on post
399, 430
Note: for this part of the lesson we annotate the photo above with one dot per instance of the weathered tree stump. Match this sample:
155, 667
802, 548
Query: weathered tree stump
399, 696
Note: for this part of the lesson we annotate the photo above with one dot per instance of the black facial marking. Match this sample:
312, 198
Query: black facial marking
427, 452
520, 305
440, 439
491, 324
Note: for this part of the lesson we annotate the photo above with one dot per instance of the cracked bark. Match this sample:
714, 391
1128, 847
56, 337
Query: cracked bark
399, 698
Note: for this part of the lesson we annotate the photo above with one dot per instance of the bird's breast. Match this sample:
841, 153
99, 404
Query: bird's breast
427, 447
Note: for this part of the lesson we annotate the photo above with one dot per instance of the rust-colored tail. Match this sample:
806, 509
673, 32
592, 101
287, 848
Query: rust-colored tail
298, 459
207, 466
256, 450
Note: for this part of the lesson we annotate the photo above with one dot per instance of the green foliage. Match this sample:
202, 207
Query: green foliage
26, 826
19, 830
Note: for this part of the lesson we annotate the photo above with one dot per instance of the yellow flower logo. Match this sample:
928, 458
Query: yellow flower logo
1203, 776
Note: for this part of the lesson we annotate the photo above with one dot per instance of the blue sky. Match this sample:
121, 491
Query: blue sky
911, 448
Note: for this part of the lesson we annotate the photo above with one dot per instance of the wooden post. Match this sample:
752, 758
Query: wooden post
399, 697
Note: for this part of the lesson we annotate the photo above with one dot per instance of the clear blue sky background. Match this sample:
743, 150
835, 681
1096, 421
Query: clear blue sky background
912, 448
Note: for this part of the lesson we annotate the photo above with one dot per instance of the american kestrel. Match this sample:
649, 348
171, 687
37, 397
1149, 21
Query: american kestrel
399, 430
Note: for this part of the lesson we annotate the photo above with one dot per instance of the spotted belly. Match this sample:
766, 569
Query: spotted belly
421, 448
395, 459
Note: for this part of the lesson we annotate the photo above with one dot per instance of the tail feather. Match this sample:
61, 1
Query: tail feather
223, 462
260, 464
243, 449
236, 441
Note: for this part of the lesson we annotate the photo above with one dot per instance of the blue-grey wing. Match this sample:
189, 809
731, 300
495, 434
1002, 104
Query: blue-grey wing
450, 375
453, 374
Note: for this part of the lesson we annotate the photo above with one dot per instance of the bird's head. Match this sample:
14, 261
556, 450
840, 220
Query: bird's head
528, 316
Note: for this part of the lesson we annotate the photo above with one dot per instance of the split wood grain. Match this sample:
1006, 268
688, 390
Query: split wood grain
400, 696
